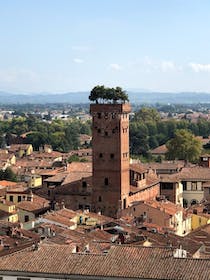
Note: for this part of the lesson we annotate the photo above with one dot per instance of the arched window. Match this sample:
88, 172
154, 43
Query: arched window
193, 202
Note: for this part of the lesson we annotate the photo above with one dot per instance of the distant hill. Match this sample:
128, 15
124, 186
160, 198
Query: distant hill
82, 97
37, 98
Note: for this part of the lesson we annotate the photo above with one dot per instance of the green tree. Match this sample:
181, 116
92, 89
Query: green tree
8, 175
203, 127
147, 114
76, 158
139, 138
37, 139
102, 93
184, 146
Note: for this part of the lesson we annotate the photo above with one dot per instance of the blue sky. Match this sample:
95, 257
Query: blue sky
73, 45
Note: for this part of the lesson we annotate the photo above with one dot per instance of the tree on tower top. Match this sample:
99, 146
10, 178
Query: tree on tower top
102, 94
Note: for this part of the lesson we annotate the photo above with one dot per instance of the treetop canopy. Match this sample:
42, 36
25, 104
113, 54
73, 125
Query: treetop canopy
102, 94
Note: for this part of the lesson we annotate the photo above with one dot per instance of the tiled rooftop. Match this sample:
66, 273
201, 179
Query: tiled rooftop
38, 203
195, 173
159, 150
80, 167
120, 261
6, 183
58, 219
76, 176
166, 206
58, 178
138, 167
168, 165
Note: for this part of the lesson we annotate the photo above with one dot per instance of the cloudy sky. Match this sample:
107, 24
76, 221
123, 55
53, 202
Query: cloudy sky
73, 45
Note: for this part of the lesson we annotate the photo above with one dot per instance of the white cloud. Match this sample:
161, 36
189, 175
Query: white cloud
159, 65
197, 67
115, 66
78, 60
167, 66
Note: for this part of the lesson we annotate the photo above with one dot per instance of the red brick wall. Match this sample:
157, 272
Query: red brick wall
110, 131
147, 194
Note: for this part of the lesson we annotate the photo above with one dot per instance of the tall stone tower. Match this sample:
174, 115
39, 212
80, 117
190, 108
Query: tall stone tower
110, 130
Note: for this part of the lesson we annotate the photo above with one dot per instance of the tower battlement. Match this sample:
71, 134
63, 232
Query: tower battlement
120, 108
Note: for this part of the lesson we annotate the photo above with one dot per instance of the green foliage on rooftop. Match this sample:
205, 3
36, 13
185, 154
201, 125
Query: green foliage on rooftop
102, 94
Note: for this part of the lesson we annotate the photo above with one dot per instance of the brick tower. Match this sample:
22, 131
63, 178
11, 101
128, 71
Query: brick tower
110, 130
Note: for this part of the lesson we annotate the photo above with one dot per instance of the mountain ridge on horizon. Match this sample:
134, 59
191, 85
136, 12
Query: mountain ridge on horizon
75, 97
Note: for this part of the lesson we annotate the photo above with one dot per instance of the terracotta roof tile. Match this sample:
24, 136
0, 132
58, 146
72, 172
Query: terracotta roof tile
165, 165
76, 176
120, 261
166, 206
138, 167
58, 219
58, 178
195, 173
36, 204
6, 183
80, 167
43, 155
68, 213
159, 150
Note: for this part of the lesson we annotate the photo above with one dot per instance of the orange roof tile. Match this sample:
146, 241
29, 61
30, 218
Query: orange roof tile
5, 183
159, 150
121, 261
195, 173
165, 206
58, 219
36, 204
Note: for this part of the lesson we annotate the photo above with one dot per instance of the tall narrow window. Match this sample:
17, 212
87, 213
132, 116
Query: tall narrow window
106, 181
124, 203
184, 184
84, 184
26, 218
